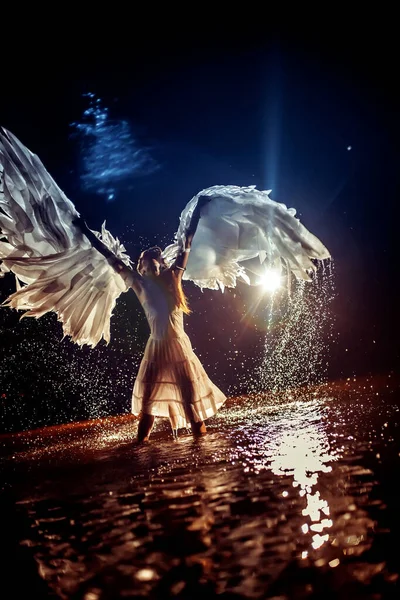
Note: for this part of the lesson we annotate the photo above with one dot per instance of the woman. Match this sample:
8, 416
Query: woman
59, 267
171, 381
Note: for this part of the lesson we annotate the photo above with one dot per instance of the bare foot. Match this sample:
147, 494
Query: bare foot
144, 440
199, 428
146, 423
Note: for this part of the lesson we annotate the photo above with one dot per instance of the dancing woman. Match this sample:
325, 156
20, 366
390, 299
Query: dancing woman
62, 266
171, 381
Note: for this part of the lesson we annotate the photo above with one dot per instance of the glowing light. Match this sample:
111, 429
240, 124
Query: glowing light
145, 574
271, 280
296, 351
110, 152
303, 451
334, 563
319, 540
315, 505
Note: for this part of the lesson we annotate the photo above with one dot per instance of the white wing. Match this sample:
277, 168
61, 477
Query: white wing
241, 232
58, 267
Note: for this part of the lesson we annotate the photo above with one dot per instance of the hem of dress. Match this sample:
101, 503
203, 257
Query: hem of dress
207, 412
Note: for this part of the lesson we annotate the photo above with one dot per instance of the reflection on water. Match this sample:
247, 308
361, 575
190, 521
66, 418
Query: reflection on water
282, 498
303, 451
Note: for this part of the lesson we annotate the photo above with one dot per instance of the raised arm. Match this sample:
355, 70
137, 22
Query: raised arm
183, 257
130, 276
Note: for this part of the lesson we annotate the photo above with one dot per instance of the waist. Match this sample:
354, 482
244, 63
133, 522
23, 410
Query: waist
159, 336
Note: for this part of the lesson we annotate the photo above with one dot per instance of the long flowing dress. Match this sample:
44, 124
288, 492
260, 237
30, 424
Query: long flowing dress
171, 381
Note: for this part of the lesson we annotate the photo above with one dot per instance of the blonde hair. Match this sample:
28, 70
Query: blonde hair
179, 296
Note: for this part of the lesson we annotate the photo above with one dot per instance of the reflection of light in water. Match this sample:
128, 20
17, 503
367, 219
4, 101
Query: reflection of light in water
146, 574
319, 540
303, 453
300, 448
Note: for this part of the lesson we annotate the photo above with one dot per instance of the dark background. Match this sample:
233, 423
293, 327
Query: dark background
230, 102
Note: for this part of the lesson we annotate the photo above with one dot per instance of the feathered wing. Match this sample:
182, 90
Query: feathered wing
59, 269
241, 232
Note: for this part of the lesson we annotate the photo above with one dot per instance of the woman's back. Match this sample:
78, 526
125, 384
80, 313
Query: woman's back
165, 319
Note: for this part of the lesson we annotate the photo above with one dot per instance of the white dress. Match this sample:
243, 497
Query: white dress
171, 381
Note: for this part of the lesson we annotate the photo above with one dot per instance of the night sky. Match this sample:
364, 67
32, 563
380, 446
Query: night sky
312, 116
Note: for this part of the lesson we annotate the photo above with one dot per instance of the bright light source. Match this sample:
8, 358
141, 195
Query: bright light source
270, 280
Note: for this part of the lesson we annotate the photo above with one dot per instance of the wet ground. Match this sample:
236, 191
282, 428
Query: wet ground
285, 497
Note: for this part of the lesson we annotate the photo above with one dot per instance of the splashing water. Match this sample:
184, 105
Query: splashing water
295, 350
110, 153
47, 380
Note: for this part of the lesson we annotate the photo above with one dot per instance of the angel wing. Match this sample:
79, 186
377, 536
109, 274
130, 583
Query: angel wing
58, 268
242, 232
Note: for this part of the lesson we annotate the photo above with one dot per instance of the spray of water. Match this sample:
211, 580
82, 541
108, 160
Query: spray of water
298, 336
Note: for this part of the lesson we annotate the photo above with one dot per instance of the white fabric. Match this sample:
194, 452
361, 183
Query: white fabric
242, 232
171, 381
61, 270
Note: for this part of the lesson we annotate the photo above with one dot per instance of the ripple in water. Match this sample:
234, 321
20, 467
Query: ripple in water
281, 499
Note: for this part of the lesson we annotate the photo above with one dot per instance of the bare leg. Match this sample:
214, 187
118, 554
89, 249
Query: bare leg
145, 426
146, 419
198, 428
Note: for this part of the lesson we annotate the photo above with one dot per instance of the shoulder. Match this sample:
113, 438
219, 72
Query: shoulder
133, 280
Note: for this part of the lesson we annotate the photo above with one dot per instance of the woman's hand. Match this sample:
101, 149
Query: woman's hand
194, 221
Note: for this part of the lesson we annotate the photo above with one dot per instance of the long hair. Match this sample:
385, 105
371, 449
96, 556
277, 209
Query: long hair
180, 300
172, 284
